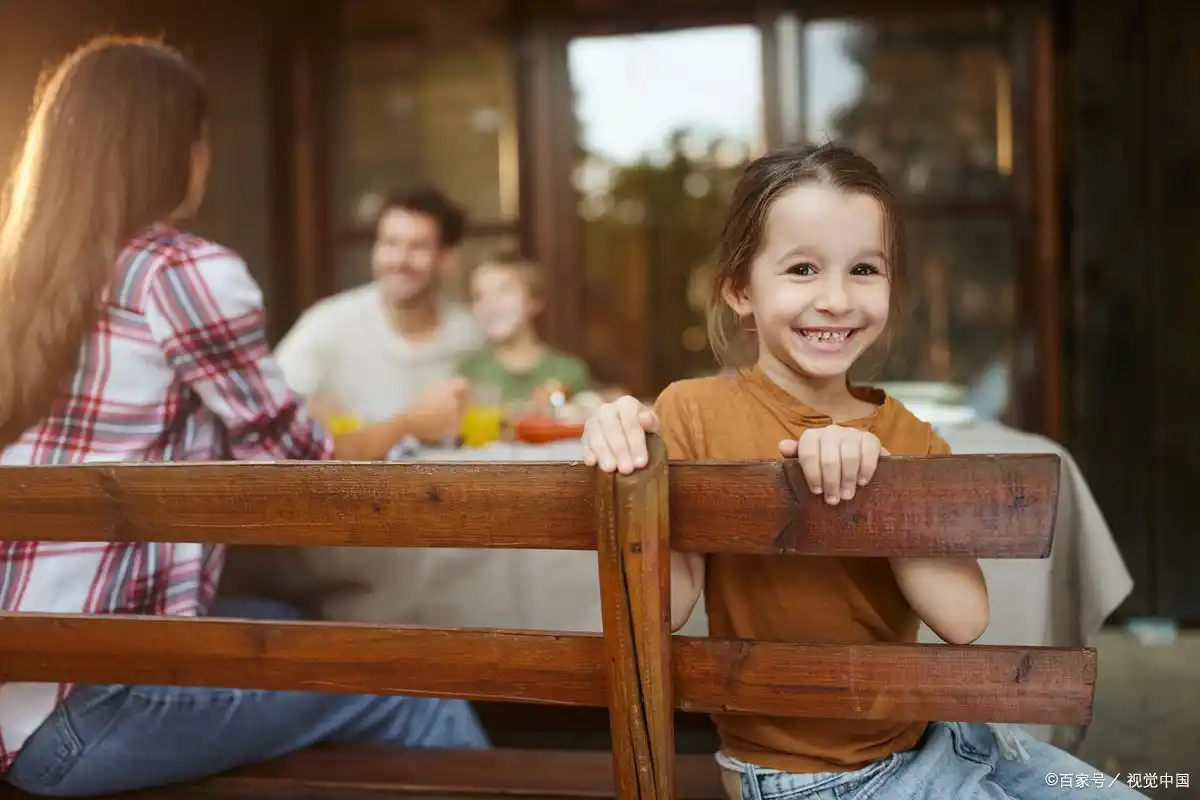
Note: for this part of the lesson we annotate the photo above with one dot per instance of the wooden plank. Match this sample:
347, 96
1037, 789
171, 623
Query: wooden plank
970, 683
353, 504
633, 553
353, 770
514, 773
309, 656
983, 506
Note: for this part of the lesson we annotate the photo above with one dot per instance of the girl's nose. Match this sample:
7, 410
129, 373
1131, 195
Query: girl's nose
833, 298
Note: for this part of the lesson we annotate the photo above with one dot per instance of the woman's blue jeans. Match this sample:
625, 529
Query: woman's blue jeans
107, 739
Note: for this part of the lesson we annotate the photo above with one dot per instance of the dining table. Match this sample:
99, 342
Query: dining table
1062, 600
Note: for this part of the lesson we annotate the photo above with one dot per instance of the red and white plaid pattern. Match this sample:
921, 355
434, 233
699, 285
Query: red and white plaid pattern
177, 369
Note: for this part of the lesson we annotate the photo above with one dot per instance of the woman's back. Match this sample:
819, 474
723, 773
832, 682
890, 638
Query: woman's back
176, 368
125, 401
124, 339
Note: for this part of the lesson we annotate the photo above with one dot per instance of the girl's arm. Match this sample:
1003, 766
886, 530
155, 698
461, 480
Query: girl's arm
614, 439
687, 584
948, 594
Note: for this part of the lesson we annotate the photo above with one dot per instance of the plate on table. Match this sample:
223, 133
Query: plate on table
542, 430
925, 392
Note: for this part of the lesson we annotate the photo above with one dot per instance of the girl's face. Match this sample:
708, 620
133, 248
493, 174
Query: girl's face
818, 291
501, 302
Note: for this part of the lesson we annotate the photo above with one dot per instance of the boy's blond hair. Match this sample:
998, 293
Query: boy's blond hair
529, 271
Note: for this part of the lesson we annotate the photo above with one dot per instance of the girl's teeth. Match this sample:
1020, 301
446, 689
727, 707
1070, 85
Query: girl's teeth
826, 336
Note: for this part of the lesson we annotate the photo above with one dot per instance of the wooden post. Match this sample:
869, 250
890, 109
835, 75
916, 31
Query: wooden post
633, 549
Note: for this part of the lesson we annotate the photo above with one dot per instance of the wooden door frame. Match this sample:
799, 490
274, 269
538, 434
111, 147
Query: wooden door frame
304, 86
1041, 311
546, 135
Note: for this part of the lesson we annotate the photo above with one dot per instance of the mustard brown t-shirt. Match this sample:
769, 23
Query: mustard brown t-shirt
802, 599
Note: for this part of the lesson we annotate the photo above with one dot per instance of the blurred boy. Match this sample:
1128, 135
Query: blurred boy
507, 294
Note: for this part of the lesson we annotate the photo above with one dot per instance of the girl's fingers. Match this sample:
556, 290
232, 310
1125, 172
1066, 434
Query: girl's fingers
808, 453
831, 469
835, 461
598, 443
612, 430
636, 453
615, 437
870, 461
851, 448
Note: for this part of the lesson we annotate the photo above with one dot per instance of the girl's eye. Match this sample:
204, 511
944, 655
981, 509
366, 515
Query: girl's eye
864, 269
802, 270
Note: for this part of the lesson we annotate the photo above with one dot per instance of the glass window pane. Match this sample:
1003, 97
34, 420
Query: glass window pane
423, 107
961, 301
353, 266
658, 163
926, 98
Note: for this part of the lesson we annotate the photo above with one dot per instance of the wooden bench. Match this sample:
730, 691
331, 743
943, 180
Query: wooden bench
983, 506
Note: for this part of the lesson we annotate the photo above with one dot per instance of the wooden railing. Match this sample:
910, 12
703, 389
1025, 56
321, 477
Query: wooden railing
983, 506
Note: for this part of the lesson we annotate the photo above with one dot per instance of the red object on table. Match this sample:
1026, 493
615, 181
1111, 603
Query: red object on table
542, 430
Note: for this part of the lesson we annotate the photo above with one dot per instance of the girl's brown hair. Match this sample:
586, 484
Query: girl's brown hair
108, 151
764, 181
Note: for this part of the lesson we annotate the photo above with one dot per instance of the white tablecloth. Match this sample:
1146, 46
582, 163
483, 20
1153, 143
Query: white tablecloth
1062, 600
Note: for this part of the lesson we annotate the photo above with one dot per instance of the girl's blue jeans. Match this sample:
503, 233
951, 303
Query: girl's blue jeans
954, 761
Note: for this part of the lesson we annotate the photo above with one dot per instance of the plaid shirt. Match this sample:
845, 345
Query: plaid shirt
177, 369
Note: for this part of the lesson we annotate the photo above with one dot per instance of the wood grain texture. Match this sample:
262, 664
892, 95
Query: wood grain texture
309, 656
341, 771
983, 506
353, 504
633, 553
970, 683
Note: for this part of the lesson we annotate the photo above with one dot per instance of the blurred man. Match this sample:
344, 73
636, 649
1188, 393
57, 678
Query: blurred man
390, 347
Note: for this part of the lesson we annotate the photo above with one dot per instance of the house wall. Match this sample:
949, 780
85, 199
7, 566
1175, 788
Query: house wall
1133, 155
232, 43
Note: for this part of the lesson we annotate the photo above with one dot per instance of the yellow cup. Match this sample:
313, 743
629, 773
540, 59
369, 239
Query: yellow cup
340, 424
481, 425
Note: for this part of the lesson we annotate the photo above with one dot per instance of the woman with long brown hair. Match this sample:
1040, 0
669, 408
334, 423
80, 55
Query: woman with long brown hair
124, 338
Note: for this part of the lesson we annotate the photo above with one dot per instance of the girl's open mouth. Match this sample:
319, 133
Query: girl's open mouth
826, 339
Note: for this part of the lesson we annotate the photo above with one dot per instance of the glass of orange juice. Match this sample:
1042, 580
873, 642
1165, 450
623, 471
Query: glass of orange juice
483, 419
339, 424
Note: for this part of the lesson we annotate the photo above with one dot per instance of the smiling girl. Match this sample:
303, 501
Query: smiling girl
810, 274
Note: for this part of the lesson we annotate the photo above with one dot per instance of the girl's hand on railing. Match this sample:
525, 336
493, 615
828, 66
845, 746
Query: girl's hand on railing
614, 437
836, 461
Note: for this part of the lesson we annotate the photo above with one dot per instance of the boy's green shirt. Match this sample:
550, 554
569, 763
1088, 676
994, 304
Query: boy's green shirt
481, 368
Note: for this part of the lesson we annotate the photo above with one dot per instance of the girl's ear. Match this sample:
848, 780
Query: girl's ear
738, 300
